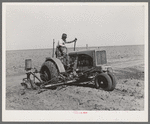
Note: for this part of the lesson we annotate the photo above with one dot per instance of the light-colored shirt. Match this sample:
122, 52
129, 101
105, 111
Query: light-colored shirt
61, 43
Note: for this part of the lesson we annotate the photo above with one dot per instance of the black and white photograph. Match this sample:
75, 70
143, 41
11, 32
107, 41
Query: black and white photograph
75, 61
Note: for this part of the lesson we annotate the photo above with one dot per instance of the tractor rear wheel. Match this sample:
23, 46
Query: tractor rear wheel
49, 71
103, 81
113, 78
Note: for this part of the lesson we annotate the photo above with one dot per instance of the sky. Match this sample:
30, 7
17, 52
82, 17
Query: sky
34, 26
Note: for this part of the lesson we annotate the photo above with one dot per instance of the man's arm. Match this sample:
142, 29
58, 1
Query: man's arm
72, 41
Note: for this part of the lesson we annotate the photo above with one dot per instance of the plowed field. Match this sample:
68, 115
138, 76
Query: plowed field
126, 61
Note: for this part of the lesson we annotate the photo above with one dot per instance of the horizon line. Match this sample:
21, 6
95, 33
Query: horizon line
76, 47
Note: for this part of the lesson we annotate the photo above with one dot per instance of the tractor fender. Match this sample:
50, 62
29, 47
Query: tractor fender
58, 64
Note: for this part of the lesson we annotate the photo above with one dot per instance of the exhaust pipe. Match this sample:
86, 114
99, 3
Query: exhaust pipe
53, 48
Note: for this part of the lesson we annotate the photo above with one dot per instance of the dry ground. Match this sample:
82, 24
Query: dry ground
126, 61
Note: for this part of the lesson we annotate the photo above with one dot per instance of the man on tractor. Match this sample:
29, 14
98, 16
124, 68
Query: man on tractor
61, 49
61, 45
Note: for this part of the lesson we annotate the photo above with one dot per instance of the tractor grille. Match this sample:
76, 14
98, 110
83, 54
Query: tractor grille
101, 57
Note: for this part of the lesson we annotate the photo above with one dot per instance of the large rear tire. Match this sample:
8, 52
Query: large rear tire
113, 79
49, 71
103, 81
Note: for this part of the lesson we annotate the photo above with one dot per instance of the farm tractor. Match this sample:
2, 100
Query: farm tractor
71, 68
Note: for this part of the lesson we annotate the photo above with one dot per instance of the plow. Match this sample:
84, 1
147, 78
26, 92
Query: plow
72, 67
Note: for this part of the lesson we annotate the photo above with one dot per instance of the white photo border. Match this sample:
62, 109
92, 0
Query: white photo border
67, 116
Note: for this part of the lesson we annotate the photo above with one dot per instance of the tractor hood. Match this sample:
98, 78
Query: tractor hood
88, 52
98, 56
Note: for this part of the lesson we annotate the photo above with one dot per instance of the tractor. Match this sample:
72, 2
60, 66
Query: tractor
73, 67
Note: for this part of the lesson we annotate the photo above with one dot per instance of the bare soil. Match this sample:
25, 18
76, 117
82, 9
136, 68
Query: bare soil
126, 61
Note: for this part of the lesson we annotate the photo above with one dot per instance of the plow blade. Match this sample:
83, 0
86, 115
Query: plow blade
58, 84
28, 84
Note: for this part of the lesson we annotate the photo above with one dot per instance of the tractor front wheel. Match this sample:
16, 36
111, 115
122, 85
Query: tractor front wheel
49, 71
103, 81
114, 82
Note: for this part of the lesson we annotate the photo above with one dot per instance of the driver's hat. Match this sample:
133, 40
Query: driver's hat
64, 35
